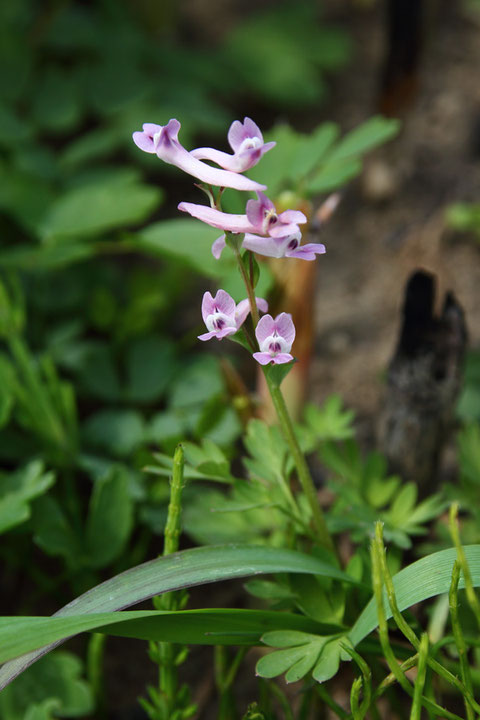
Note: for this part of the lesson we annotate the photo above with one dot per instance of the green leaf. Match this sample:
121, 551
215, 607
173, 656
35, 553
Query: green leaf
267, 449
419, 581
110, 519
90, 147
117, 431
330, 422
56, 678
327, 665
375, 131
18, 489
12, 128
98, 208
403, 504
278, 372
173, 572
55, 101
200, 380
35, 259
45, 710
276, 663
269, 590
188, 241
150, 366
311, 150
299, 654
53, 532
333, 174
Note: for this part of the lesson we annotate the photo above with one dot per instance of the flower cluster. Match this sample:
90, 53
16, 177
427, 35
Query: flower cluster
261, 229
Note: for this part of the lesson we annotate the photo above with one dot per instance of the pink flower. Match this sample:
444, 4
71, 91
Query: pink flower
266, 233
275, 247
163, 140
222, 316
246, 141
275, 338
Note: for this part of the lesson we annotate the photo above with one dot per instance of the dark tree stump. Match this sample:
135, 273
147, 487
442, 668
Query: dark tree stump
423, 382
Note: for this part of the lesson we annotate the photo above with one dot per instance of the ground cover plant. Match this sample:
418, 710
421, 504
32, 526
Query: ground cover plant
136, 463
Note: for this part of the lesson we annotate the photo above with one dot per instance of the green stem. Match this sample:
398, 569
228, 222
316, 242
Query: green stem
405, 628
416, 711
364, 683
223, 680
286, 424
167, 672
95, 655
173, 524
249, 288
377, 553
332, 704
459, 637
304, 475
469, 590
283, 701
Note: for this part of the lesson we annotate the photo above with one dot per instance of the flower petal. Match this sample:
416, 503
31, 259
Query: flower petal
218, 247
306, 252
265, 328
243, 308
169, 149
263, 357
262, 304
285, 327
225, 303
292, 216
257, 210
239, 131
208, 305
267, 246
283, 230
207, 336
218, 219
282, 358
143, 141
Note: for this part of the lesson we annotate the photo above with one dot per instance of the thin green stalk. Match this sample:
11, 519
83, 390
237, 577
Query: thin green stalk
355, 692
390, 679
469, 589
286, 425
405, 628
303, 472
395, 667
173, 526
459, 637
249, 288
309, 701
165, 653
226, 701
283, 700
416, 710
361, 684
332, 704
225, 675
95, 655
